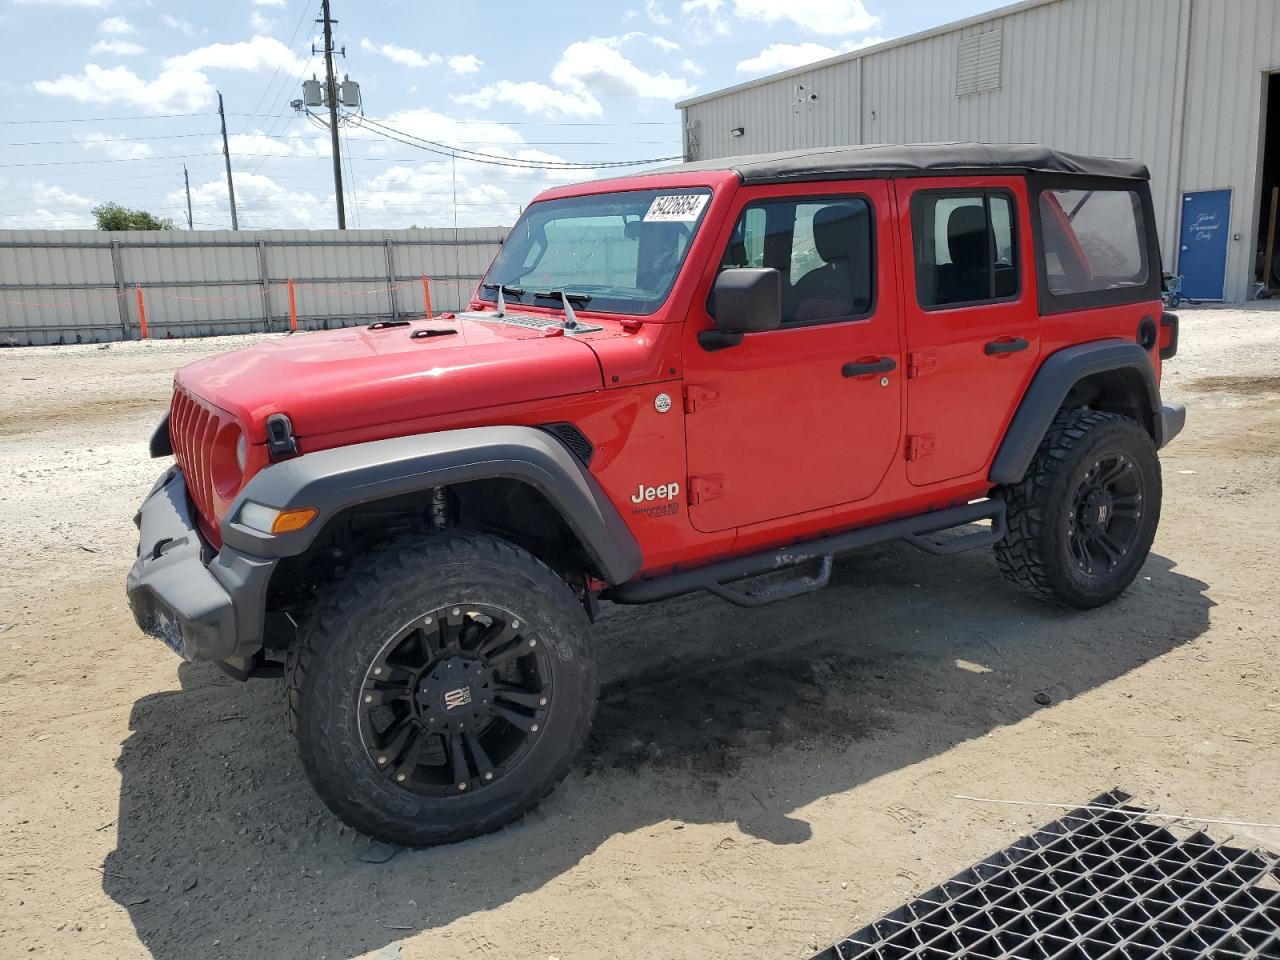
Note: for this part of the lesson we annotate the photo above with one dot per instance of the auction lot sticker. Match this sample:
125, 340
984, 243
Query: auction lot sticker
676, 207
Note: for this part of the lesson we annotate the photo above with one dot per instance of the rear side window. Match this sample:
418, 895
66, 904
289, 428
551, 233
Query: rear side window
966, 249
1092, 241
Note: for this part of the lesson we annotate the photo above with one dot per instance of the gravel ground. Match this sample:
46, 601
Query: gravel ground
758, 783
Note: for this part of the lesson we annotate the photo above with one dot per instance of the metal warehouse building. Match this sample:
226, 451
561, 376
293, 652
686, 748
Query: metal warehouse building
1190, 87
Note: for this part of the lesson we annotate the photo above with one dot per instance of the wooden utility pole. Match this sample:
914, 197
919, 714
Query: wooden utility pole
226, 153
331, 95
186, 178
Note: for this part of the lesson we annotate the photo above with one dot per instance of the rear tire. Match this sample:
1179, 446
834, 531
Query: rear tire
440, 689
1082, 520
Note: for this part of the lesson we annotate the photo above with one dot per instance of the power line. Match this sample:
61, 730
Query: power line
76, 163
306, 7
447, 150
499, 123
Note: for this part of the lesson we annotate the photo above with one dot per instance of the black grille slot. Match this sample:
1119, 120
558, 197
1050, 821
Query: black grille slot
573, 438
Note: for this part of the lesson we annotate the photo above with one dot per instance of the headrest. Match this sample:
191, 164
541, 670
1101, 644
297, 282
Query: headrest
837, 229
967, 239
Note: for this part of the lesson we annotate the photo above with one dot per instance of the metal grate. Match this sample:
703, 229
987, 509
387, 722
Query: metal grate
1101, 882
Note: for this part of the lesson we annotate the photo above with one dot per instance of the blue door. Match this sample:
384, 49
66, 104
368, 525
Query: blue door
1202, 254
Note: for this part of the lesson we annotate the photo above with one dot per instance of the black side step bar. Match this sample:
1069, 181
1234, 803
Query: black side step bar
715, 577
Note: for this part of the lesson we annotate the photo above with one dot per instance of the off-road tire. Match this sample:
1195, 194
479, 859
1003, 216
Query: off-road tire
1036, 553
389, 587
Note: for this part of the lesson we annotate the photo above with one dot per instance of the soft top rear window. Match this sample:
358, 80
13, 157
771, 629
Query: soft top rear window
618, 252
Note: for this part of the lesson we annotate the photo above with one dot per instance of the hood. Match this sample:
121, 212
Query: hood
364, 376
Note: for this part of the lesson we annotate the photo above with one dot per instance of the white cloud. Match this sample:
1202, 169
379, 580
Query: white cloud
662, 43
401, 55
259, 54
463, 63
533, 97
116, 26
653, 10
260, 24
278, 4
177, 23
597, 67
115, 147
704, 19
51, 206
172, 91
829, 17
258, 144
117, 48
784, 56
691, 68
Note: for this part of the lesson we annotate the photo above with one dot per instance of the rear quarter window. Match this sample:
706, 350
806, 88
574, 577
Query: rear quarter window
1093, 241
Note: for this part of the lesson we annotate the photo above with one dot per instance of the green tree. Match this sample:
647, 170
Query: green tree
112, 216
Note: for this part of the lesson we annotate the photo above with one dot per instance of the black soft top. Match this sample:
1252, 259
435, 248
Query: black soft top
877, 160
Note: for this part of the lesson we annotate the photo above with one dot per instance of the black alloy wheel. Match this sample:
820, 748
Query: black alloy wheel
1106, 515
455, 699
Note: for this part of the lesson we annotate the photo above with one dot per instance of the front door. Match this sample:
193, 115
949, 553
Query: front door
973, 332
1202, 252
807, 416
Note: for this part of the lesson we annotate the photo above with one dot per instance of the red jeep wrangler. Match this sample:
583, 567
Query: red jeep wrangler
713, 377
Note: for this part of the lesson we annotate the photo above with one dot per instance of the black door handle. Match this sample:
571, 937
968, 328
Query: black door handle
997, 347
883, 365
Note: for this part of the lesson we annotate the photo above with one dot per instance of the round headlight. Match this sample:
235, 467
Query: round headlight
242, 452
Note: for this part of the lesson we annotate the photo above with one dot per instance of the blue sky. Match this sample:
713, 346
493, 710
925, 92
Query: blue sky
107, 99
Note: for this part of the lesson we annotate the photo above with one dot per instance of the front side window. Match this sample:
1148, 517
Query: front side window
620, 252
822, 247
1093, 240
966, 248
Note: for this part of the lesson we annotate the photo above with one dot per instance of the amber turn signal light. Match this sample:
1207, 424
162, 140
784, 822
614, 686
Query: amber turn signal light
287, 521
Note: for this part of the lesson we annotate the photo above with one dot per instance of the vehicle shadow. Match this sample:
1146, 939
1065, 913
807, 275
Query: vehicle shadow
708, 714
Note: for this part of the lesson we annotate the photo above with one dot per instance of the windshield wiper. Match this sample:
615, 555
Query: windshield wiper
570, 319
503, 288
506, 288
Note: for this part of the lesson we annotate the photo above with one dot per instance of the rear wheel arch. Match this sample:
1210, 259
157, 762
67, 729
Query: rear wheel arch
1113, 376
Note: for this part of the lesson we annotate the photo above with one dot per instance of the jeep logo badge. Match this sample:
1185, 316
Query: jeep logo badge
457, 698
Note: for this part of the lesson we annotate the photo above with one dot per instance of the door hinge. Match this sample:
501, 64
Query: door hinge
695, 397
702, 489
919, 445
918, 364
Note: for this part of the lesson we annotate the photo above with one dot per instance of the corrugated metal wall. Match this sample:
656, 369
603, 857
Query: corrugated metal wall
1103, 77
67, 286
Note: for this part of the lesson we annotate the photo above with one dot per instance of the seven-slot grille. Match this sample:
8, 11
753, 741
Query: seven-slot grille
193, 425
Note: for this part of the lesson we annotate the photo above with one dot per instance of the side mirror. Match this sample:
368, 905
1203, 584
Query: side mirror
744, 300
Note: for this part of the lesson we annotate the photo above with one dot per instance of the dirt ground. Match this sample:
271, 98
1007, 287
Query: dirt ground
759, 784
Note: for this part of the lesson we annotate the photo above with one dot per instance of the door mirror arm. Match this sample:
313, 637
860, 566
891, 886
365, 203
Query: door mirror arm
713, 340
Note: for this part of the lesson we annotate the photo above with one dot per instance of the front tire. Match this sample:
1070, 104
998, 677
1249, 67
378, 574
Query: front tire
1082, 520
441, 689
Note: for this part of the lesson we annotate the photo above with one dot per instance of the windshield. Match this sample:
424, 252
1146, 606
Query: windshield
619, 251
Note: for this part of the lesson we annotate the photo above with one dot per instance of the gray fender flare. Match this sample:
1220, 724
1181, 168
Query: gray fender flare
334, 480
1049, 388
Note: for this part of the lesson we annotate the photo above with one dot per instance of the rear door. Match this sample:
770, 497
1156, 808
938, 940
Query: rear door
808, 416
972, 323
